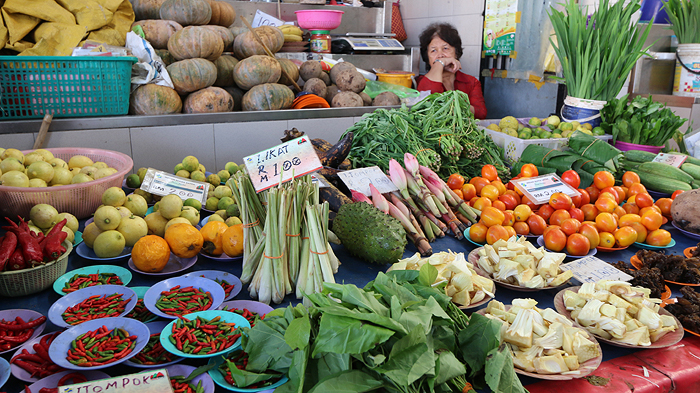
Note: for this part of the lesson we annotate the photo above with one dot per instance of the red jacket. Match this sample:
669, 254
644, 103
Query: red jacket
463, 82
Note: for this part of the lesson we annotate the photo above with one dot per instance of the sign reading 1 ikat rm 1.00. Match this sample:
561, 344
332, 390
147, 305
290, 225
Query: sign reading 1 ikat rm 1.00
282, 163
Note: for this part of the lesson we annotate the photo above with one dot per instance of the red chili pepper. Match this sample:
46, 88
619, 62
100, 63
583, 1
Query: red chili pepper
18, 324
31, 250
75, 377
16, 261
48, 390
52, 245
9, 244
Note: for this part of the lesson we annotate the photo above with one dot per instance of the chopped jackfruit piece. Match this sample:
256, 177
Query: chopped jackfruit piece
590, 313
554, 364
520, 332
584, 348
639, 336
560, 278
554, 337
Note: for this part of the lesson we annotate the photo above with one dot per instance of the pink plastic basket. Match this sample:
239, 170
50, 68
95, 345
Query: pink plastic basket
80, 200
319, 19
625, 146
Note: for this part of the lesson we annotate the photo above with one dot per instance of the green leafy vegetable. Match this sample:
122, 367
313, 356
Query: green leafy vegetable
476, 343
640, 121
684, 16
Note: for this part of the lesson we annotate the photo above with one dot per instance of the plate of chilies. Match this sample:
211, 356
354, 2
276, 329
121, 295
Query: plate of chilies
35, 370
90, 276
12, 337
179, 372
90, 303
65, 378
154, 355
177, 296
225, 381
210, 324
249, 309
231, 284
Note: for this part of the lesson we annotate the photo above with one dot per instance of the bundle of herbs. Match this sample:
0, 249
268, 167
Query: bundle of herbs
684, 16
597, 51
641, 121
398, 334
439, 131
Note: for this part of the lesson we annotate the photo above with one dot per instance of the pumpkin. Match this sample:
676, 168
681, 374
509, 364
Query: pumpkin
256, 70
212, 232
208, 100
291, 69
184, 240
224, 71
232, 240
222, 13
225, 35
166, 56
186, 12
150, 254
237, 95
152, 99
237, 30
267, 97
195, 41
245, 45
192, 74
146, 9
158, 31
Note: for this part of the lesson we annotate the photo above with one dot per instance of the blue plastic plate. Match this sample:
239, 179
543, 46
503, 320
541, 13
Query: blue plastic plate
52, 380
86, 252
175, 265
221, 276
18, 371
226, 316
124, 275
73, 298
251, 305
694, 236
205, 284
59, 347
78, 238
219, 379
183, 370
26, 315
658, 195
650, 247
140, 292
4, 371
155, 328
540, 241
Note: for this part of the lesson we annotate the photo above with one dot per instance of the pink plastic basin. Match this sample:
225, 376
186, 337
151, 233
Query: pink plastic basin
624, 146
319, 19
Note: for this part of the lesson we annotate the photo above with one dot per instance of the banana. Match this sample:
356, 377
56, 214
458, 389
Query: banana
291, 29
292, 38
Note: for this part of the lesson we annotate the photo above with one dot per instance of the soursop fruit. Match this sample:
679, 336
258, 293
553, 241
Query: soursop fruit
369, 234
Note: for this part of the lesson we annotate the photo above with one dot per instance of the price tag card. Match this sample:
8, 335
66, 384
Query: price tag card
321, 183
152, 381
278, 164
163, 183
360, 179
263, 19
670, 159
592, 269
539, 189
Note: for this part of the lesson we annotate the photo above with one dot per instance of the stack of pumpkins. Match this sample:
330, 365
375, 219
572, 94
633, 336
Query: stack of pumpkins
208, 80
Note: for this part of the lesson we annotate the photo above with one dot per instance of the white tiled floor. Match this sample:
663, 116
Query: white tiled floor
163, 147
229, 137
328, 129
17, 141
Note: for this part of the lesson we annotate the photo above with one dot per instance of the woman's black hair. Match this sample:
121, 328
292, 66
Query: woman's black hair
446, 32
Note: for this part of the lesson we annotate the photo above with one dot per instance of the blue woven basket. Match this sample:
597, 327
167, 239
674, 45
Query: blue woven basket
65, 86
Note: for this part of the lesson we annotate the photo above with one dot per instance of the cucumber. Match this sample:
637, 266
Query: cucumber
690, 159
639, 155
691, 169
666, 171
695, 185
661, 183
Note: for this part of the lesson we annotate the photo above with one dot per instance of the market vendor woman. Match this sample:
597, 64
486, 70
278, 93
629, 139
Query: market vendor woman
440, 48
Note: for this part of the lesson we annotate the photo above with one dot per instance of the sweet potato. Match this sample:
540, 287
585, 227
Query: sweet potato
310, 69
342, 66
346, 99
366, 99
349, 80
315, 86
325, 78
386, 98
685, 210
331, 91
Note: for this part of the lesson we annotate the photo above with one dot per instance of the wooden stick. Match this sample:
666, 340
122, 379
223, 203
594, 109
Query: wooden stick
269, 53
39, 142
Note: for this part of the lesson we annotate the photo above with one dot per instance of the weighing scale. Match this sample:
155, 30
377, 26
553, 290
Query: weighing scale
359, 42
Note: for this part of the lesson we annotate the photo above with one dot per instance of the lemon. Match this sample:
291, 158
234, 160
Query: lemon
222, 191
156, 224
191, 214
31, 158
224, 175
88, 170
48, 156
198, 176
43, 215
508, 122
70, 234
231, 167
100, 165
90, 233
177, 220
113, 196
179, 167
71, 221
37, 183
11, 164
137, 204
221, 213
40, 170
142, 174
145, 194
102, 172
79, 161
61, 176
231, 221
170, 206
107, 218
13, 153
124, 212
190, 163
109, 244
14, 179
215, 217
183, 173
133, 228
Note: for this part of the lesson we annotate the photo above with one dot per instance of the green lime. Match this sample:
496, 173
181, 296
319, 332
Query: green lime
133, 181
193, 202
598, 131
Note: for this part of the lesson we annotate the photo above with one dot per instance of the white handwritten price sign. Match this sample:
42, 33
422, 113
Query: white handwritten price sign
539, 189
670, 159
282, 162
592, 269
152, 381
360, 179
263, 19
163, 183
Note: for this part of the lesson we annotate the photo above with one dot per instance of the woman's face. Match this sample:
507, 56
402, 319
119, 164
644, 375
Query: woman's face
439, 49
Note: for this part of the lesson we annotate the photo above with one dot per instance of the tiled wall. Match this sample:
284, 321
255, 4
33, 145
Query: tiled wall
465, 15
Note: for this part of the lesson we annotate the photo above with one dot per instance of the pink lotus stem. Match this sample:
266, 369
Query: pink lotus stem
436, 190
418, 239
397, 202
359, 197
398, 177
429, 174
378, 199
411, 164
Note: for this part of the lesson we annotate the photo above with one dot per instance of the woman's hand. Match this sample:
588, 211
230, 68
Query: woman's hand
448, 64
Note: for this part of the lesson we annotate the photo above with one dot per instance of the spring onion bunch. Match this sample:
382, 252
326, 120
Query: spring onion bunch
685, 19
597, 52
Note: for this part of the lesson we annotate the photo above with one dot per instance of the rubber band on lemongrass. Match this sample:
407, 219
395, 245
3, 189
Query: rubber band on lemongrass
268, 257
252, 224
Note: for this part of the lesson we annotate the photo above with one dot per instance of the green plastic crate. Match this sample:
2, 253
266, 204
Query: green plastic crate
65, 86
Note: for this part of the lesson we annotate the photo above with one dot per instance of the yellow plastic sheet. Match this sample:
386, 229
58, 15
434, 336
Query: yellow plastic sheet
55, 39
18, 25
46, 10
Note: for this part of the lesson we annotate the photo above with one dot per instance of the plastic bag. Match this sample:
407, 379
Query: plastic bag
150, 68
374, 88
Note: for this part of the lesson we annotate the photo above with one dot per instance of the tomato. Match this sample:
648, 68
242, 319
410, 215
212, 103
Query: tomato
629, 178
621, 193
571, 178
585, 197
576, 201
550, 228
491, 216
665, 205
522, 213
455, 181
637, 188
468, 191
577, 213
578, 245
631, 208
593, 193
643, 200
570, 226
659, 238
495, 233
555, 240
499, 205
619, 211
537, 224
526, 201
558, 216
591, 234
509, 200
606, 222
630, 199
490, 191
510, 186
639, 228
615, 194
545, 211
625, 236
603, 179
482, 203
473, 201
500, 186
477, 232
652, 220
529, 170
628, 219
559, 200
646, 209
521, 228
511, 231
459, 194
589, 212
625, 190
509, 219
676, 193
479, 184
605, 205
514, 195
607, 240
489, 172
